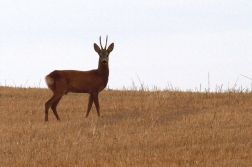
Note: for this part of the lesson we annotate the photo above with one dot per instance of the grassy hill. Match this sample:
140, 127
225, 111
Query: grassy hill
136, 128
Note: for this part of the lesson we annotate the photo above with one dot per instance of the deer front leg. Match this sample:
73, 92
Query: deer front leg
90, 102
96, 101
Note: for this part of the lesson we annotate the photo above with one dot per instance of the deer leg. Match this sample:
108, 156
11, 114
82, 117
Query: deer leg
48, 105
53, 107
52, 102
90, 102
96, 101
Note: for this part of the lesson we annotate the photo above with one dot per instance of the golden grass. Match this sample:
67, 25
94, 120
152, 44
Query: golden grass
137, 128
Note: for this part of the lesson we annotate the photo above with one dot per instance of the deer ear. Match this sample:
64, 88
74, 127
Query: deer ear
110, 48
97, 48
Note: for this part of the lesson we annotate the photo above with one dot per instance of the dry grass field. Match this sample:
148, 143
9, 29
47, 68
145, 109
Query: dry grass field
136, 128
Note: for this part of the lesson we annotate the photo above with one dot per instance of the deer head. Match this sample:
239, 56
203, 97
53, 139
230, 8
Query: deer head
103, 52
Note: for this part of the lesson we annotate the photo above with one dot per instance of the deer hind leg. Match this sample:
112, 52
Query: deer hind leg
47, 106
52, 102
54, 106
90, 102
96, 101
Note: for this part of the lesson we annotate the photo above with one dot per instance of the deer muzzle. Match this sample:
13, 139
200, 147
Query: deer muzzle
104, 61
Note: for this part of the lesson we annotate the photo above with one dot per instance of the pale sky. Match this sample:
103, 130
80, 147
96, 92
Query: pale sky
162, 43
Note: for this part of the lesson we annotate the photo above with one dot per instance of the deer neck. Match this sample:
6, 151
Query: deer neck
103, 70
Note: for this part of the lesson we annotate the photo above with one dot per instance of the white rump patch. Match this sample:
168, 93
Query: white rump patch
49, 80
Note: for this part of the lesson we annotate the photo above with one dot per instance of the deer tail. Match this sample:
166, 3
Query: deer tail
50, 80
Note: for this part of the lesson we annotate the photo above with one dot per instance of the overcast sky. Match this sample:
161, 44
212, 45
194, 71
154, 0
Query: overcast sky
161, 43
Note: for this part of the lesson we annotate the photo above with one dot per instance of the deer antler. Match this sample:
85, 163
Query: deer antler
106, 42
101, 44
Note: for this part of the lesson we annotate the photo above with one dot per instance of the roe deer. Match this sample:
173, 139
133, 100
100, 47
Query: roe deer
63, 81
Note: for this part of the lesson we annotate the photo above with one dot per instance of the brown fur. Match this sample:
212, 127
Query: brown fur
92, 82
